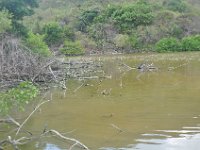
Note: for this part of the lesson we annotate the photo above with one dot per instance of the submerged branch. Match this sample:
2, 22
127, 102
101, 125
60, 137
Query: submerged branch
36, 108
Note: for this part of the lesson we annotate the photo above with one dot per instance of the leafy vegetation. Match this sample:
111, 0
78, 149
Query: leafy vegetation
53, 33
17, 97
101, 22
191, 43
168, 44
131, 16
72, 48
18, 9
5, 21
37, 45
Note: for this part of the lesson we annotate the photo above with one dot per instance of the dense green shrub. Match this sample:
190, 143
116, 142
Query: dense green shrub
131, 16
88, 16
53, 33
19, 9
37, 45
72, 48
19, 29
68, 33
5, 21
17, 97
106, 14
133, 39
191, 43
85, 19
168, 44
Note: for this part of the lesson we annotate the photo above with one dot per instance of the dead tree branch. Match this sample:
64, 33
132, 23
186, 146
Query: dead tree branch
36, 108
76, 142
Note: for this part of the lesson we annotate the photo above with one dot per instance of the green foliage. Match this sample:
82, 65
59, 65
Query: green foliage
19, 29
168, 44
37, 45
101, 21
131, 16
19, 8
191, 43
17, 97
53, 34
68, 33
106, 14
5, 21
72, 48
175, 5
133, 41
85, 19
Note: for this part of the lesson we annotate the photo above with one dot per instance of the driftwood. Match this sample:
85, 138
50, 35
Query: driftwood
10, 120
25, 140
76, 142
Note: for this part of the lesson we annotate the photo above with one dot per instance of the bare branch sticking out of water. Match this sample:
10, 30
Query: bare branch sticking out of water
79, 87
10, 120
71, 147
76, 142
129, 68
117, 128
36, 108
173, 68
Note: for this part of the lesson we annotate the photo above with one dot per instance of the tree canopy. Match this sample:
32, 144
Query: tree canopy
19, 8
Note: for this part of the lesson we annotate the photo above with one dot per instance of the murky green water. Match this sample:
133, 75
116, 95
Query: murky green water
151, 110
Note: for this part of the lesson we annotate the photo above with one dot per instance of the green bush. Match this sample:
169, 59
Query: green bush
134, 41
19, 29
168, 44
53, 34
85, 19
106, 14
17, 97
191, 43
72, 48
131, 16
19, 9
5, 21
68, 33
37, 45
